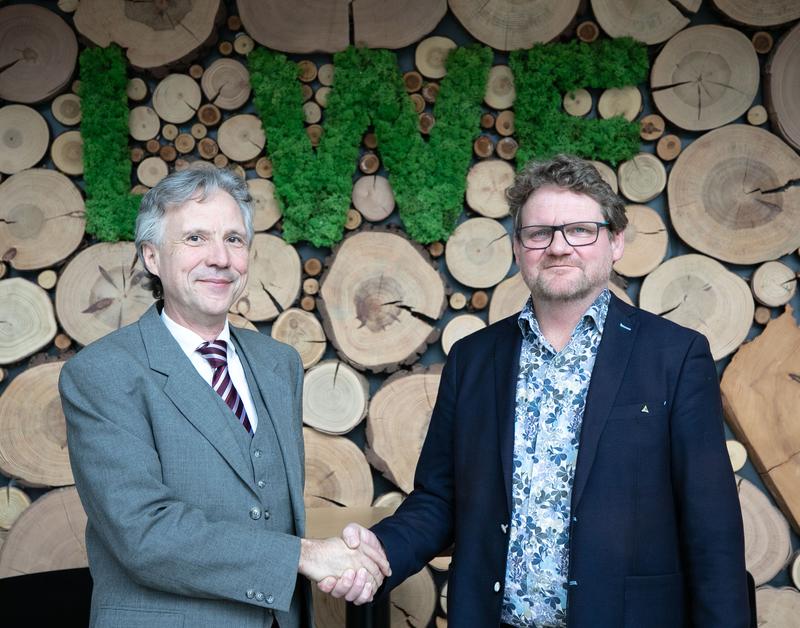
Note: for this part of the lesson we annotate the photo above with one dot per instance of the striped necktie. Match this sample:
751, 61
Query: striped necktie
216, 354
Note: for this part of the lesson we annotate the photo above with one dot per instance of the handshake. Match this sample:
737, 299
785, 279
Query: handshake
352, 567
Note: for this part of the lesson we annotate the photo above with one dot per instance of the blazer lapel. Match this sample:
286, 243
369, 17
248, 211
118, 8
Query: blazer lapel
506, 371
274, 393
188, 391
613, 354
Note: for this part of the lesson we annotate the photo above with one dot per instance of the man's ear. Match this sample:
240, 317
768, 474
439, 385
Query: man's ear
150, 256
617, 245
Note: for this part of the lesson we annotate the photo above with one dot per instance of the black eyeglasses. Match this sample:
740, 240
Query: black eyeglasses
538, 237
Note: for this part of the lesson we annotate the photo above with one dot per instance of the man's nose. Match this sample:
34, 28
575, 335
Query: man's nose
559, 245
218, 254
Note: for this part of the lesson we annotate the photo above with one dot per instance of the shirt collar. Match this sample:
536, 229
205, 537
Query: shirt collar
189, 340
596, 313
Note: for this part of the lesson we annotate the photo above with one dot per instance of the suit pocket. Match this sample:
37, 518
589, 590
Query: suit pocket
654, 601
120, 617
639, 410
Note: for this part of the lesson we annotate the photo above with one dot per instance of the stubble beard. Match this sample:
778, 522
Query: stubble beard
556, 289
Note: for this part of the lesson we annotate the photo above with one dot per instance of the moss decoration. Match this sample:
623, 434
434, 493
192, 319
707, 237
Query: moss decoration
546, 71
428, 179
110, 207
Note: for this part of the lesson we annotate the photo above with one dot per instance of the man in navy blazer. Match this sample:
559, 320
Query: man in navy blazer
575, 458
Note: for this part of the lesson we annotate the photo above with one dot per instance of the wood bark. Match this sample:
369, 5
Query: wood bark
777, 607
380, 24
28, 320
730, 195
486, 186
379, 300
337, 473
241, 137
704, 77
782, 87
266, 211
101, 289
510, 25
478, 254
760, 395
430, 56
25, 137
48, 536
700, 293
302, 26
153, 34
38, 55
335, 396
399, 414
762, 13
373, 197
33, 431
273, 283
458, 327
42, 219
177, 98
642, 178
650, 21
767, 544
646, 241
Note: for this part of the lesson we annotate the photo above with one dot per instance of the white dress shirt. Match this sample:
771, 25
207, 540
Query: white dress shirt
189, 342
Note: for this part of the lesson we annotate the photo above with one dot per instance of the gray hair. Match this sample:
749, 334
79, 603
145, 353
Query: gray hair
570, 173
194, 183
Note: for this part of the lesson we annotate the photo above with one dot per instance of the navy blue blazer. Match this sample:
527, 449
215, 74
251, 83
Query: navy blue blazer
656, 535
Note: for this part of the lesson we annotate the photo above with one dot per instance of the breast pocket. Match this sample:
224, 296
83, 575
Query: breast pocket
639, 410
120, 617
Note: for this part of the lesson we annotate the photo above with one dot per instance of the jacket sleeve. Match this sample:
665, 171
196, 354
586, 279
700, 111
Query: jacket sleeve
710, 519
158, 538
422, 527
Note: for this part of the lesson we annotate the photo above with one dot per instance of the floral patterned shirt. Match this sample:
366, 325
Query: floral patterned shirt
551, 395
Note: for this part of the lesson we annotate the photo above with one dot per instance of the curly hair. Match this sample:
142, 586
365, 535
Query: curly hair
569, 173
194, 183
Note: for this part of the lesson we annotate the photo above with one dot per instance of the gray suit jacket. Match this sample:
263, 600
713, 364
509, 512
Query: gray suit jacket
169, 491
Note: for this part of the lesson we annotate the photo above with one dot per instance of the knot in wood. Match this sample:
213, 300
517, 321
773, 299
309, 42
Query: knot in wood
376, 303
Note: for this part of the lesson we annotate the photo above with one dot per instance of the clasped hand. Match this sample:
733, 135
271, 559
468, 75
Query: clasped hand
352, 567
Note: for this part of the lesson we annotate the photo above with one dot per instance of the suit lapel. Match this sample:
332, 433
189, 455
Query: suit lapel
506, 371
277, 401
613, 354
189, 392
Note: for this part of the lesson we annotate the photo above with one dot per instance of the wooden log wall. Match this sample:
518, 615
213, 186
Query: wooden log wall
712, 243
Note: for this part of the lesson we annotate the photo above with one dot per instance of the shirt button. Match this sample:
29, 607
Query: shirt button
250, 594
255, 512
497, 587
270, 599
261, 484
260, 596
257, 453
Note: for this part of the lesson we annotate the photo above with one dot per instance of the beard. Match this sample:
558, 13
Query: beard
572, 286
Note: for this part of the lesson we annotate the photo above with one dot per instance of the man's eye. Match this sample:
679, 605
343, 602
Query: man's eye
540, 234
194, 238
235, 239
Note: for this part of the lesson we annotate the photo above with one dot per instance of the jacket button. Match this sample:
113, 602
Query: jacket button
497, 587
261, 484
266, 514
270, 599
260, 596
250, 594
257, 453
255, 512
504, 528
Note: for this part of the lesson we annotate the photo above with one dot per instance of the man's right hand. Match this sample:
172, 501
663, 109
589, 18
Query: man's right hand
360, 570
357, 537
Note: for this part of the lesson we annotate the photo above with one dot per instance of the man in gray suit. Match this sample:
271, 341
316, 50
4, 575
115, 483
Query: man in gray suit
186, 443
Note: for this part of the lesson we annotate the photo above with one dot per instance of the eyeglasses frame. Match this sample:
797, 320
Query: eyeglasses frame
560, 228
